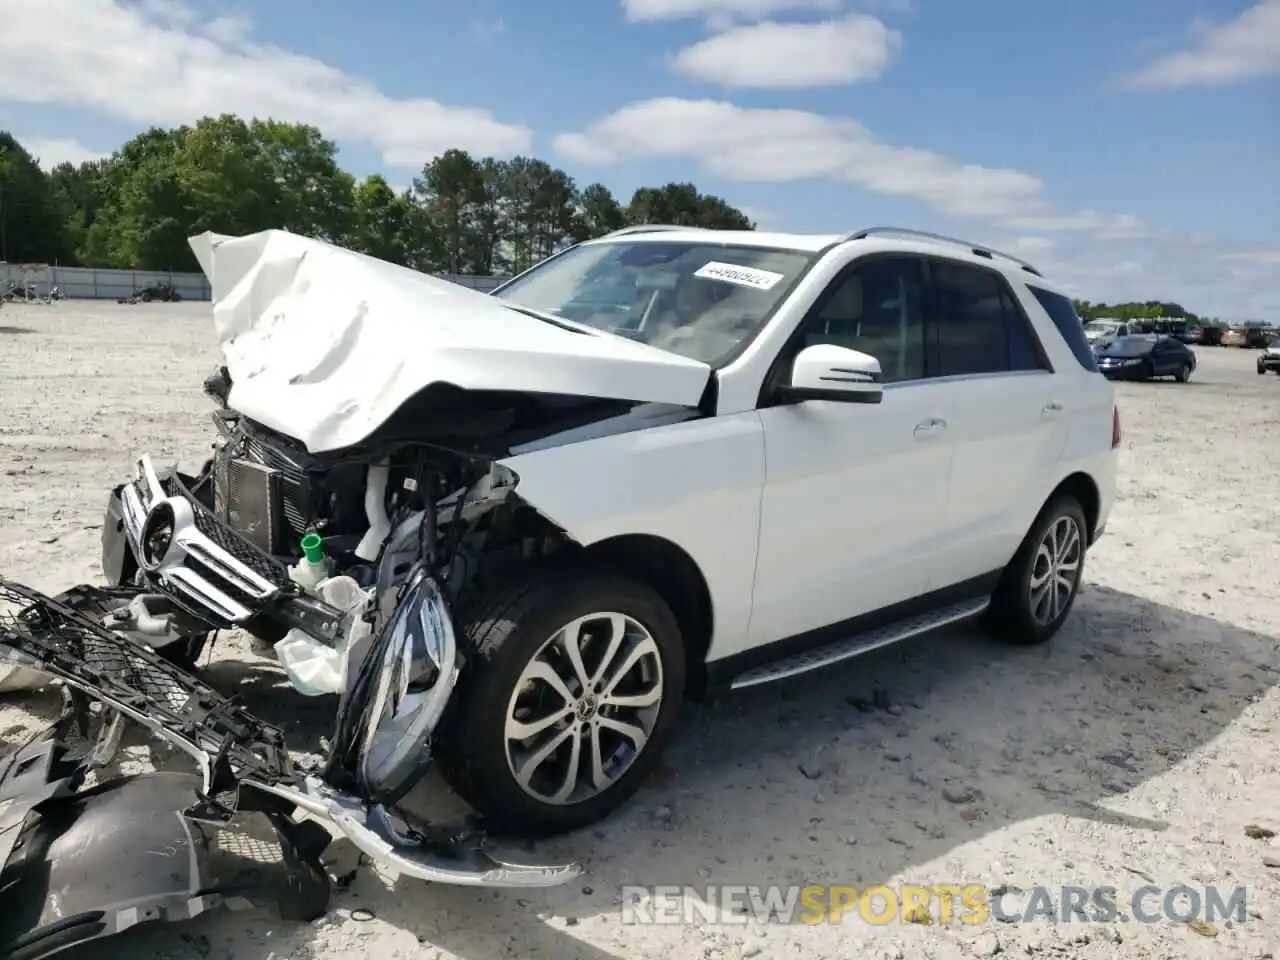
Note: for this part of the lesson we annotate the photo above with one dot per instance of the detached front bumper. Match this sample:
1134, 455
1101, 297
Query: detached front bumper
242, 769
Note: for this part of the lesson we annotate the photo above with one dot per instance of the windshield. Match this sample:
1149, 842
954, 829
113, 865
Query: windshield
1130, 347
696, 299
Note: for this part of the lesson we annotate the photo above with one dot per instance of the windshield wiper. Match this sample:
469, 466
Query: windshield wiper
554, 321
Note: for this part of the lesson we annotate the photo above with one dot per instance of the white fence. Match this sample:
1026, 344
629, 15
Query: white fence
92, 283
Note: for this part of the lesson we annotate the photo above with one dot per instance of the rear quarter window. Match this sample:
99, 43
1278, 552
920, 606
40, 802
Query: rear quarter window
1064, 317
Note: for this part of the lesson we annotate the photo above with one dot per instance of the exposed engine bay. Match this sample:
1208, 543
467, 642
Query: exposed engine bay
357, 518
352, 568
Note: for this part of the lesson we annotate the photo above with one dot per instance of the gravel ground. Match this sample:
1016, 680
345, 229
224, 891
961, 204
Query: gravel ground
1138, 747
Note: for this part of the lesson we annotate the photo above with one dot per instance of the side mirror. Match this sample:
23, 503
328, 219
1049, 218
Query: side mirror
827, 372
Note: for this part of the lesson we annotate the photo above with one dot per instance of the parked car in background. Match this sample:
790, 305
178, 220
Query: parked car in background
1181, 330
1257, 335
1210, 335
1234, 337
1106, 330
1269, 359
1145, 356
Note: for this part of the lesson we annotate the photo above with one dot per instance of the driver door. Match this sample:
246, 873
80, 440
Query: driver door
854, 493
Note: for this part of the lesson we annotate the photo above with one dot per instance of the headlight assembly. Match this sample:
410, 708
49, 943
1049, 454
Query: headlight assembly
417, 676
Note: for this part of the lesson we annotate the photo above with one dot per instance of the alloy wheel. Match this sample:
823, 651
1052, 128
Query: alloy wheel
584, 708
1055, 572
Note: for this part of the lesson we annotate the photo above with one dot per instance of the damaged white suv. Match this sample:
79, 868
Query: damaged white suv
513, 532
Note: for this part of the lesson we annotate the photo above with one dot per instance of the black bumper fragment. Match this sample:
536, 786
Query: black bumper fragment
78, 864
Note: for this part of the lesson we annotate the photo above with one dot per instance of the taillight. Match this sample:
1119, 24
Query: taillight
1115, 427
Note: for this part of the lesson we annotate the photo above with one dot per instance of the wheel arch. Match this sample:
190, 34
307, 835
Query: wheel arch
672, 572
1084, 489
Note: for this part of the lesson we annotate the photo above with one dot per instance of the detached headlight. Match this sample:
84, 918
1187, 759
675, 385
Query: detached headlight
418, 673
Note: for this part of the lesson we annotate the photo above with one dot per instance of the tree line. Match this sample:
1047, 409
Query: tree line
1134, 310
462, 214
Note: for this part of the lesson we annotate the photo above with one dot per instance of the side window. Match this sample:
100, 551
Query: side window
876, 307
979, 326
1063, 314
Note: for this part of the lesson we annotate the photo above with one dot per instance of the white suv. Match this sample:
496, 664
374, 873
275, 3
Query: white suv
659, 463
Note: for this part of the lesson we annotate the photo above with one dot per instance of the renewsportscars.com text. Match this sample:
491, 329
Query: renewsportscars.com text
936, 903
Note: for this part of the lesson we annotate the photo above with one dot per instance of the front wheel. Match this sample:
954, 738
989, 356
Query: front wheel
1185, 373
1040, 584
574, 686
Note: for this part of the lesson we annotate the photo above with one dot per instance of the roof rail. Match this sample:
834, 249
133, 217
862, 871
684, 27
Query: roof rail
974, 248
647, 228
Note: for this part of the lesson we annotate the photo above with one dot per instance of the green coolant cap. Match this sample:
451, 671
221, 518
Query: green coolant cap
313, 548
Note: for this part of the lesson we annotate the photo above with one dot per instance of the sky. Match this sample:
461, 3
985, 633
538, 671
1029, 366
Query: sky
1128, 148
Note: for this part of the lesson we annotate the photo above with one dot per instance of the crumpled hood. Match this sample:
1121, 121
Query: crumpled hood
324, 344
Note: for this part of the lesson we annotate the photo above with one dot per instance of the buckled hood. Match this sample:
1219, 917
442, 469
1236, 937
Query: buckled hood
324, 344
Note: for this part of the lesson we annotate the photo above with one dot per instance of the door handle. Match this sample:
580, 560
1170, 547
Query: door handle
929, 428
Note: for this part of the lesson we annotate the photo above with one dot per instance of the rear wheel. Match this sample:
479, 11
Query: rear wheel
1039, 587
573, 690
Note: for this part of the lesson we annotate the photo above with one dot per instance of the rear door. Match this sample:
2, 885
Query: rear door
1009, 418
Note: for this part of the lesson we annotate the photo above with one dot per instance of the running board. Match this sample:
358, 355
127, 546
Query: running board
859, 643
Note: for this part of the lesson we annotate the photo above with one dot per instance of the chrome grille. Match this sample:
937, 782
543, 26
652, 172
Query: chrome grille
232, 541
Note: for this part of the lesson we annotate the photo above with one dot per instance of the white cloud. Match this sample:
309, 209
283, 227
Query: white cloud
51, 151
152, 62
229, 30
1030, 245
793, 55
1271, 257
649, 11
1240, 49
1210, 276
775, 146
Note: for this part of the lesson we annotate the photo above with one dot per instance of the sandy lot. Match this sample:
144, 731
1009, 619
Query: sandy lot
1136, 749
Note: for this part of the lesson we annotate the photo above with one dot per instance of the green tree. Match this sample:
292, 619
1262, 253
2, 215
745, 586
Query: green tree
450, 191
598, 212
80, 192
223, 175
384, 223
31, 221
682, 205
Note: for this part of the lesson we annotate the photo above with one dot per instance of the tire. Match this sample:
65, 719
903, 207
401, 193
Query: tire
1184, 374
1013, 616
518, 626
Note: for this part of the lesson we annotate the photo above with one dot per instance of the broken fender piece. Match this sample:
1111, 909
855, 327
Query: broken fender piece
80, 865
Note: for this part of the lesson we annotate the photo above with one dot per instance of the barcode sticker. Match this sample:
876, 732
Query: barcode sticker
742, 276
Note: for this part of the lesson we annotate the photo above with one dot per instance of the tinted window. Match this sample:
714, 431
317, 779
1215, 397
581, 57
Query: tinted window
979, 326
1063, 314
877, 308
1135, 346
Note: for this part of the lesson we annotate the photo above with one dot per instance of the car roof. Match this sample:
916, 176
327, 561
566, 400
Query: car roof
816, 243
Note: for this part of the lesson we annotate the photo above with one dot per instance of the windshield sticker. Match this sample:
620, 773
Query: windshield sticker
742, 276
